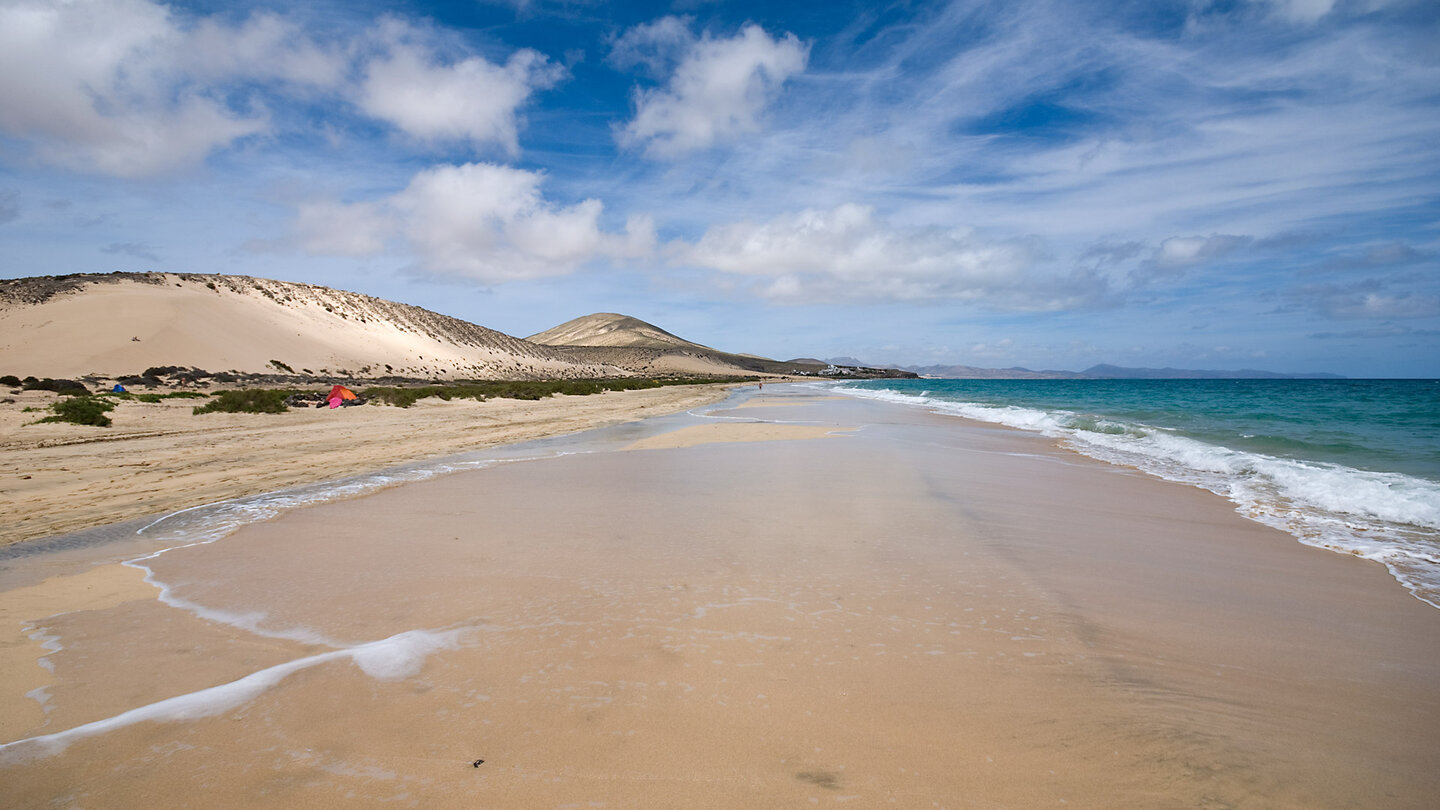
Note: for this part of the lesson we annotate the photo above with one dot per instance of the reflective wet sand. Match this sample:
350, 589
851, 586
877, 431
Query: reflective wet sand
887, 608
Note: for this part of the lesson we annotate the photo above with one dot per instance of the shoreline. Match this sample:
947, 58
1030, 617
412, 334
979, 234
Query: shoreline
829, 600
158, 458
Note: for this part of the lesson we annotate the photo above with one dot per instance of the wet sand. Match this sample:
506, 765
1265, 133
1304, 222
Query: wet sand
888, 608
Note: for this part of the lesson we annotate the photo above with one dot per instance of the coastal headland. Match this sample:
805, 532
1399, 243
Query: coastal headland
826, 601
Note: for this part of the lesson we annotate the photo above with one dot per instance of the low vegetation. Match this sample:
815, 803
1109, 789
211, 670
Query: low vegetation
69, 387
522, 389
154, 397
247, 400
81, 410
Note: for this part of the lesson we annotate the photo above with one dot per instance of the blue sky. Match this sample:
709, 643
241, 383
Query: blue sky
1241, 184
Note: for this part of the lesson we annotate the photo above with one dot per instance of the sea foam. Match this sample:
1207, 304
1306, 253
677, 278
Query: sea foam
399, 656
1387, 517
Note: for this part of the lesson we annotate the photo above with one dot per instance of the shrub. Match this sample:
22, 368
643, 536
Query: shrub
282, 366
522, 389
81, 411
10, 380
246, 400
70, 387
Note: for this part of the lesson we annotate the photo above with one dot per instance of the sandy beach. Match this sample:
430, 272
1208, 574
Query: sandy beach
803, 601
159, 457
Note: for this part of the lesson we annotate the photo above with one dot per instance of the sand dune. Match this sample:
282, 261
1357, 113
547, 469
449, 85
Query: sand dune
124, 323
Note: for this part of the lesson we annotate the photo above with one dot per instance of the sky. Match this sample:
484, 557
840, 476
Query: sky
1217, 184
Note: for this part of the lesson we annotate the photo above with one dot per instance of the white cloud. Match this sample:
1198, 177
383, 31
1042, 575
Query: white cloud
1183, 251
263, 46
478, 220
654, 47
470, 100
718, 91
92, 86
130, 88
848, 254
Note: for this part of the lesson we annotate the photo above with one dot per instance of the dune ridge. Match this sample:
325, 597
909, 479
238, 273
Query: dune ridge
122, 323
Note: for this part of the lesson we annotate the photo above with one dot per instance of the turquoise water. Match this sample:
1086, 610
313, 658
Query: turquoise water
1349, 465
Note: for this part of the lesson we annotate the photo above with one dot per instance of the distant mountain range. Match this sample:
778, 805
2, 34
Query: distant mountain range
1104, 371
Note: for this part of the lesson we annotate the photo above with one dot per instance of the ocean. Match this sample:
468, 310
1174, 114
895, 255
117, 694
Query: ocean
1348, 465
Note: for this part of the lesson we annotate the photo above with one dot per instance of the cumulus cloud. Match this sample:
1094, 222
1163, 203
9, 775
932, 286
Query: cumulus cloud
264, 46
718, 91
479, 220
91, 84
130, 88
653, 48
848, 254
470, 99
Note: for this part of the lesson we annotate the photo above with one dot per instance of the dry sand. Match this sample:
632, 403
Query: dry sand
159, 457
121, 325
923, 613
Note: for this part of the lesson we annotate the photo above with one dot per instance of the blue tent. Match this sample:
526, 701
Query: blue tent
119, 389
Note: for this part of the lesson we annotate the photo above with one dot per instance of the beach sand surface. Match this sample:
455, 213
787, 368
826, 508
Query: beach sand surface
159, 457
901, 609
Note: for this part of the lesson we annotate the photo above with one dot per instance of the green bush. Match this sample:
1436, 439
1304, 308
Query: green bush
81, 411
247, 400
68, 387
523, 389
10, 380
152, 397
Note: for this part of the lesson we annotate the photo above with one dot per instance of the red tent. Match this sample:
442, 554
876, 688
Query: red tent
339, 394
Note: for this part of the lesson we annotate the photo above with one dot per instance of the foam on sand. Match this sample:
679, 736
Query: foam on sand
398, 656
1387, 517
